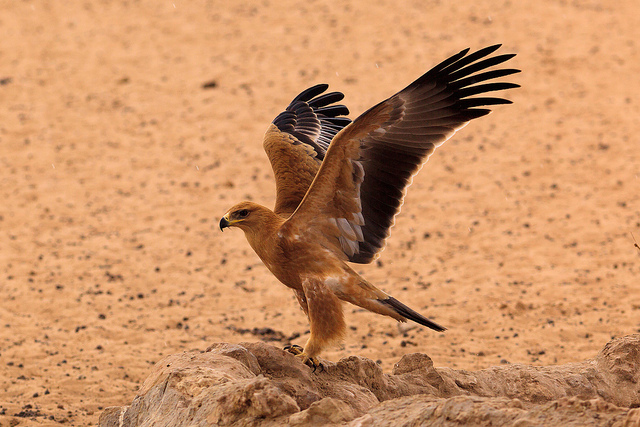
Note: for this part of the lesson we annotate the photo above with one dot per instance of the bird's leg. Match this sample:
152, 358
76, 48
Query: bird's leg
302, 300
326, 321
296, 350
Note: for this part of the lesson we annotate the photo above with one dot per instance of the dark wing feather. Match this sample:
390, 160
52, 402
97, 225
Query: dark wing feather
360, 186
298, 141
425, 114
312, 120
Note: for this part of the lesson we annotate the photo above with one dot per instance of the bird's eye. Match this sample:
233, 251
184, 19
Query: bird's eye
243, 213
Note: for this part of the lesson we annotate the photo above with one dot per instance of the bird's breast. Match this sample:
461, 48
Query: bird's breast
291, 259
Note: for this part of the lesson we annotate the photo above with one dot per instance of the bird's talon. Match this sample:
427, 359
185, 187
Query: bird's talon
311, 362
298, 352
293, 349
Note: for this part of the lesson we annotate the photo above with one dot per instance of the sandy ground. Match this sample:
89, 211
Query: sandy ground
116, 164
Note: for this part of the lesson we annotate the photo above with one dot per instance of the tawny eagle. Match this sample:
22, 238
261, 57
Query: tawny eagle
340, 184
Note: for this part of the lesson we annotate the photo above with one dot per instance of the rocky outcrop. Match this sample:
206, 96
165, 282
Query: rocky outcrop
253, 384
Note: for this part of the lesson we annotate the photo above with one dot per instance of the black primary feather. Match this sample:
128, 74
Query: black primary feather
312, 119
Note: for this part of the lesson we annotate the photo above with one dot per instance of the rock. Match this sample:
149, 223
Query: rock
619, 362
112, 416
325, 411
255, 384
612, 375
491, 411
207, 388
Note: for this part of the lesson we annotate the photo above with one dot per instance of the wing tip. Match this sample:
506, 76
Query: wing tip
311, 92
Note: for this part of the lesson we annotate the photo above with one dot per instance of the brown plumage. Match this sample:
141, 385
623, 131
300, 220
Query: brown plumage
339, 186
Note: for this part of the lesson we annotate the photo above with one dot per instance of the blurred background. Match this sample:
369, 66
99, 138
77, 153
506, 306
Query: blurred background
127, 128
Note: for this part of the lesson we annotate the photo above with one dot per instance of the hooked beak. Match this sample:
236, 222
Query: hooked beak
224, 223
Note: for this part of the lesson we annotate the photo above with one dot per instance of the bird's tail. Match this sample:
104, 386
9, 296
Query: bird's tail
410, 314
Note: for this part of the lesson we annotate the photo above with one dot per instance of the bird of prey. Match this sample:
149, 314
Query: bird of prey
340, 184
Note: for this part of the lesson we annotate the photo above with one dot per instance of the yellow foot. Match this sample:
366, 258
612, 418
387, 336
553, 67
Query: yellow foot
298, 352
293, 349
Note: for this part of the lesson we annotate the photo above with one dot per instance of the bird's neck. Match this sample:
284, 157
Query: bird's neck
263, 237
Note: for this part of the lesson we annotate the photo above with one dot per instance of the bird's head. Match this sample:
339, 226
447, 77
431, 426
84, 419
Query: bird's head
247, 216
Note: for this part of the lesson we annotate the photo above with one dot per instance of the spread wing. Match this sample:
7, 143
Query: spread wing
359, 189
297, 142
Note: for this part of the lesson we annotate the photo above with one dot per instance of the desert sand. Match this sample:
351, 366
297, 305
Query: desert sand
128, 128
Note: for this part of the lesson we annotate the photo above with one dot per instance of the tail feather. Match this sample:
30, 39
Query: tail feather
410, 314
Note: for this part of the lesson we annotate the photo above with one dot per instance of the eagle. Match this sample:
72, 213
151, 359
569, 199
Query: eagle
341, 183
